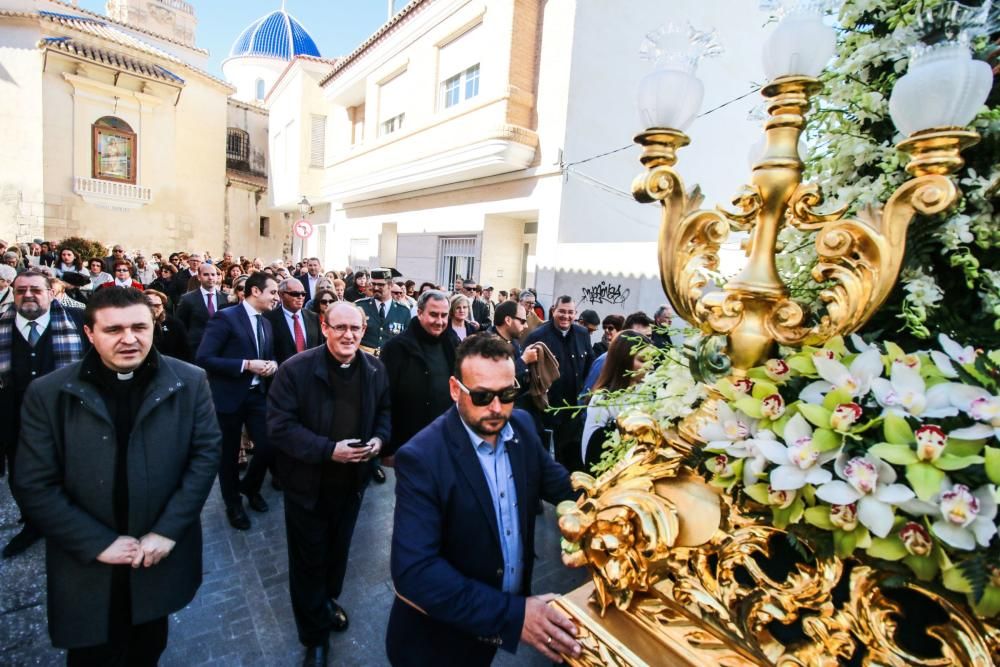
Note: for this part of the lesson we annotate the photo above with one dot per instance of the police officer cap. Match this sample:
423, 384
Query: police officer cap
381, 274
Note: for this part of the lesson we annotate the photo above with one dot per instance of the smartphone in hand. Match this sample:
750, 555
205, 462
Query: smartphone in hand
355, 443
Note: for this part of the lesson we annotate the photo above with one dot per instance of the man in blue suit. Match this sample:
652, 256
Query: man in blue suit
237, 350
463, 539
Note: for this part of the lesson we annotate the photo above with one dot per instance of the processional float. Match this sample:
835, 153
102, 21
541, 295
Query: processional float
682, 574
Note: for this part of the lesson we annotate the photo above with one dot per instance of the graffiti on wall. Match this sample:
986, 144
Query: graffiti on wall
605, 292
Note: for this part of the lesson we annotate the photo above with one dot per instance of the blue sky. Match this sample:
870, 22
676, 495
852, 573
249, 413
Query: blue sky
338, 26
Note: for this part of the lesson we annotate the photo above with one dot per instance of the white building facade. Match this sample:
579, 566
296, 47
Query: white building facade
461, 139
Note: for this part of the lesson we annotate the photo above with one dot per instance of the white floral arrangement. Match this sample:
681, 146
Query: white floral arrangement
667, 392
875, 453
852, 155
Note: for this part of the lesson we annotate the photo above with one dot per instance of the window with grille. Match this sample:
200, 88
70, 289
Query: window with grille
237, 149
391, 125
458, 259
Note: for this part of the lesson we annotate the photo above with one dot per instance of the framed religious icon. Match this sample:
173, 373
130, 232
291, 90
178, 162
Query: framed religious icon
114, 150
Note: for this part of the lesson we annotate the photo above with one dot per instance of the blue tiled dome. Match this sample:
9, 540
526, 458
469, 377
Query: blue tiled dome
276, 35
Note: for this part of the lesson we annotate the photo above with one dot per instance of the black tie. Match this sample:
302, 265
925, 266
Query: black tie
260, 337
381, 310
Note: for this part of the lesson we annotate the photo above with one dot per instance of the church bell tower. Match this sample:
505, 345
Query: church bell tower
173, 18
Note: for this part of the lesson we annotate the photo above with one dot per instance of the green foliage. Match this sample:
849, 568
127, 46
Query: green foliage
950, 281
85, 249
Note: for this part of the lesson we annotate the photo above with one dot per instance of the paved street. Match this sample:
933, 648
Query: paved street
242, 614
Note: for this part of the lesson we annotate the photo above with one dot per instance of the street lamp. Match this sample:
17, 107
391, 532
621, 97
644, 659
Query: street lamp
305, 208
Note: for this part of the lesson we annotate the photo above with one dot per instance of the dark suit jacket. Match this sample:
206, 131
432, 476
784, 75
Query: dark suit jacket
300, 414
481, 313
574, 355
229, 340
446, 554
193, 314
284, 343
65, 474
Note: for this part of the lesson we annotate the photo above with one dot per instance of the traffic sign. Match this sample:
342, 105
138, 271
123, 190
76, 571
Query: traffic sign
303, 228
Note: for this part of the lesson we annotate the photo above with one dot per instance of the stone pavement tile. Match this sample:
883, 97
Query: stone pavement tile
242, 615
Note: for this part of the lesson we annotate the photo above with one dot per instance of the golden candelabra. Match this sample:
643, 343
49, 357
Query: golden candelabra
859, 256
682, 575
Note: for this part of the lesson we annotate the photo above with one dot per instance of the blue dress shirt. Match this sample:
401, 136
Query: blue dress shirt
495, 462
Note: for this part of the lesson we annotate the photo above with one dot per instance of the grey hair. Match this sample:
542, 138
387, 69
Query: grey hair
431, 294
7, 272
283, 285
662, 309
524, 293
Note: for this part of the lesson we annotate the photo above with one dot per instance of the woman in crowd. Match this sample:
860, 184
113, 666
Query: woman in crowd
425, 286
322, 301
459, 324
96, 273
232, 273
623, 368
238, 290
144, 272
69, 262
169, 335
611, 324
339, 287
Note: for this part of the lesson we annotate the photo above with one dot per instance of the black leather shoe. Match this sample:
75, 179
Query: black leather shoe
338, 617
22, 541
256, 502
237, 516
316, 656
378, 475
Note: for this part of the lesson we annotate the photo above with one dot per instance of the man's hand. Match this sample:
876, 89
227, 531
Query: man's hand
374, 447
121, 552
258, 367
154, 549
530, 355
344, 453
548, 630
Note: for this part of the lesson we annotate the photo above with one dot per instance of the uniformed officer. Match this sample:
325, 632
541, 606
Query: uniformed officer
386, 317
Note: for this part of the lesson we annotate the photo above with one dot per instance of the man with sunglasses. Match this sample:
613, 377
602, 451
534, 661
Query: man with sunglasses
295, 328
328, 414
463, 535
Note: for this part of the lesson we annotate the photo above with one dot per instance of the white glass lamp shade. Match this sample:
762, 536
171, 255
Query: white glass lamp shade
944, 87
670, 98
801, 44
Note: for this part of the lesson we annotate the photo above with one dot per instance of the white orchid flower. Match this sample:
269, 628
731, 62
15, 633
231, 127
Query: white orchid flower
906, 393
856, 380
869, 482
952, 352
860, 345
799, 463
964, 518
729, 426
981, 406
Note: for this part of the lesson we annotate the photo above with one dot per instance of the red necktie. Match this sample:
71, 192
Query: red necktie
300, 339
211, 304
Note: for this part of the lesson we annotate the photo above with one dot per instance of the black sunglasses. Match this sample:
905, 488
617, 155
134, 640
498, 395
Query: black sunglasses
297, 295
326, 301
522, 320
482, 397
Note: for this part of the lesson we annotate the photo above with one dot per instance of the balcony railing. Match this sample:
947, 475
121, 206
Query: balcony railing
111, 194
239, 157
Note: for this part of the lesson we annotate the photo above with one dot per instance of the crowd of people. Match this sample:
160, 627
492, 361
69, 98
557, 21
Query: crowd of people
132, 384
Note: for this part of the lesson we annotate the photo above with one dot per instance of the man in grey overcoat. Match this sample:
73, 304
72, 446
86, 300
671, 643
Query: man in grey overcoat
116, 457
